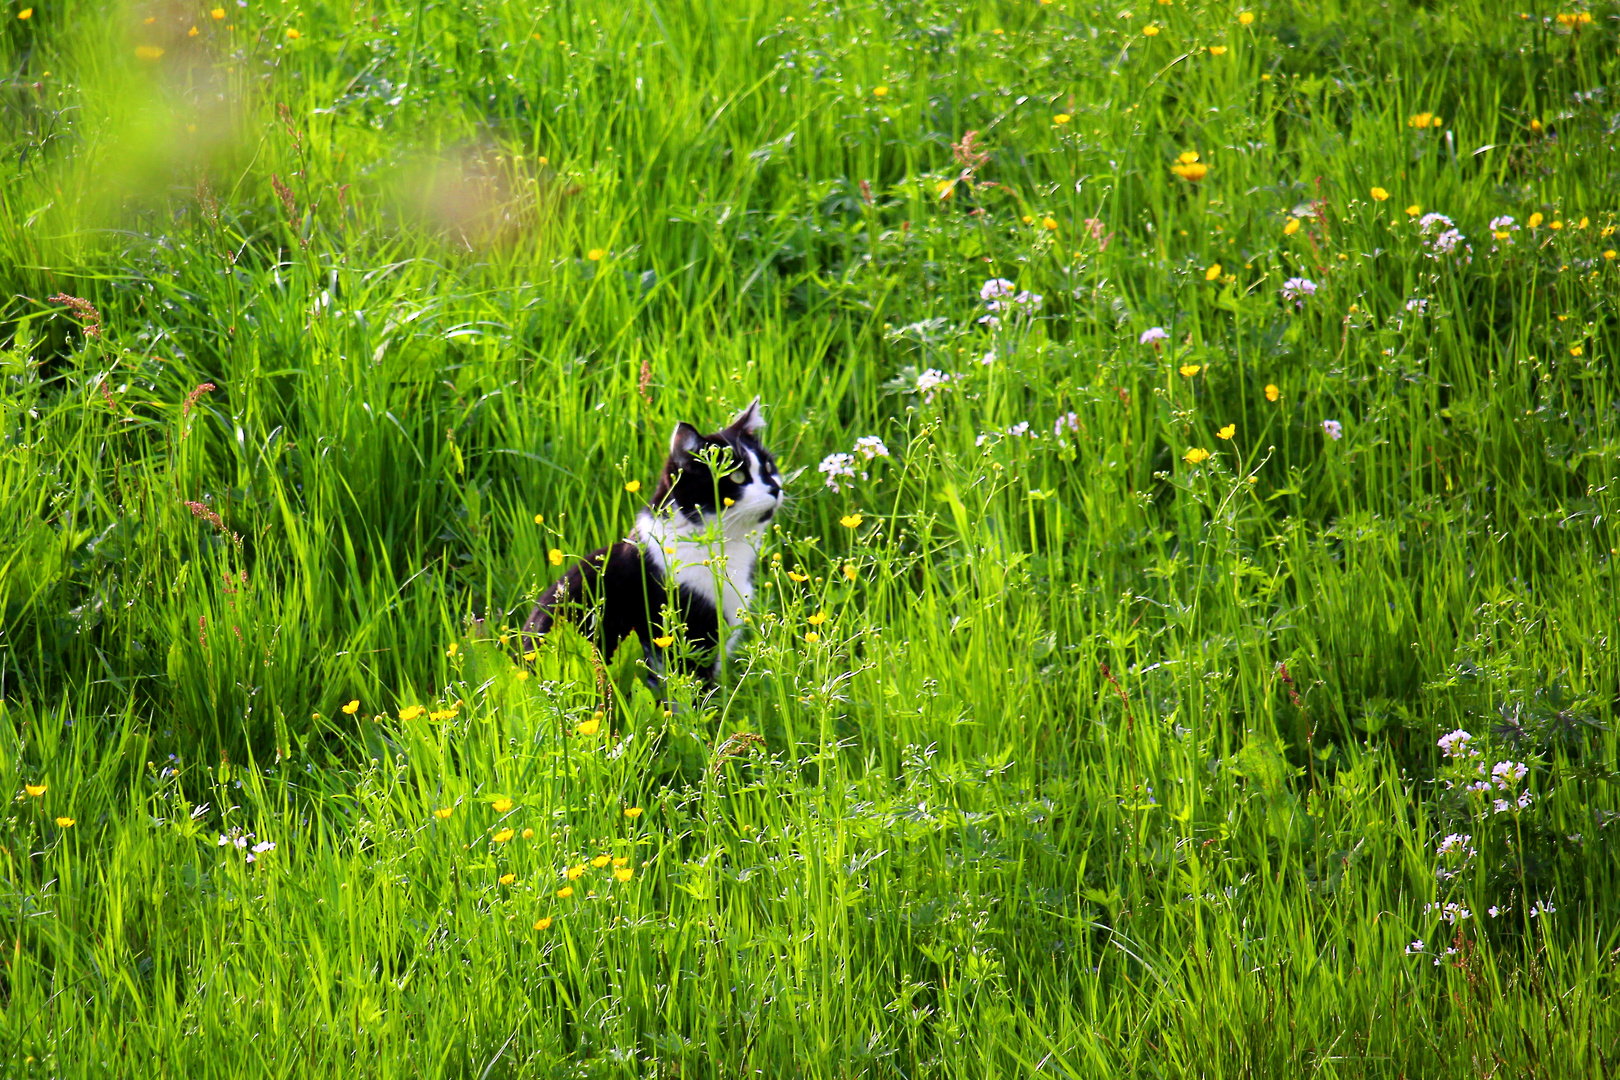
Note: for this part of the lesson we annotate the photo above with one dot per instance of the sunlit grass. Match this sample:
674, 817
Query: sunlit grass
1091, 726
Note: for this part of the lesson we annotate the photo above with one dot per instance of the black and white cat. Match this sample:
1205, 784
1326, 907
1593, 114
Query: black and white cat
694, 549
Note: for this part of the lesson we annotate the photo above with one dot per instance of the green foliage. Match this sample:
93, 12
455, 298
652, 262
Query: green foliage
1089, 727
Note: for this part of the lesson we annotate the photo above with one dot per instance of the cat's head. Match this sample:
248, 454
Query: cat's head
728, 471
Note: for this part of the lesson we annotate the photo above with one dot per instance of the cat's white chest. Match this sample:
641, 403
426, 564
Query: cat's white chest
711, 564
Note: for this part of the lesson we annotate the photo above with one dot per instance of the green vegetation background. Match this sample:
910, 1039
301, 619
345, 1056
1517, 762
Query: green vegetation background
1116, 752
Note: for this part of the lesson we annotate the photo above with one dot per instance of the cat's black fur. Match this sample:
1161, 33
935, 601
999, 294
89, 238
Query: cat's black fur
624, 589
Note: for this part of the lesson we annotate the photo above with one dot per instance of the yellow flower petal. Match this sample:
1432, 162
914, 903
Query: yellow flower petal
632, 486
851, 521
410, 712
1213, 272
442, 813
1379, 194
507, 879
34, 790
1195, 456
543, 924
352, 707
1272, 393
504, 835
65, 823
664, 642
624, 873
501, 805
1227, 432
632, 812
565, 892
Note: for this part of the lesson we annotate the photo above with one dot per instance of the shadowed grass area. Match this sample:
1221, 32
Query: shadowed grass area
1196, 416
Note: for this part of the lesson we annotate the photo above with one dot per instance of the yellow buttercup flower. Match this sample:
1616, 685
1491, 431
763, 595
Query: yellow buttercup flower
452, 649
410, 712
1195, 456
539, 519
1609, 254
1217, 50
1576, 350
504, 835
664, 642
632, 486
1187, 157
1192, 173
1049, 224
595, 254
555, 557
1272, 393
543, 924
589, 727
1213, 272
352, 707
1555, 225
621, 860
1246, 17
527, 834
851, 521
26, 13
34, 790
1227, 432
794, 575
1150, 30
1189, 370
575, 872
501, 805
849, 572
632, 812
217, 14
1535, 220
601, 861
1061, 118
192, 32
812, 637
1420, 120
521, 676
293, 35
507, 879
880, 91
817, 619
1379, 194
565, 892
443, 813
65, 823
624, 873
1291, 226
1414, 210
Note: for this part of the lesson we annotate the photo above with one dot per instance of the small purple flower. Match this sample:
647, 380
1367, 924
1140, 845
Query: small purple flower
1334, 429
996, 288
1071, 421
1153, 335
1297, 289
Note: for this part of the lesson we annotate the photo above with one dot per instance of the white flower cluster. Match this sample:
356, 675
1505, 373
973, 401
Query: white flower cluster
840, 469
1453, 913
1297, 289
240, 841
1017, 431
933, 380
1443, 237
1002, 297
1455, 745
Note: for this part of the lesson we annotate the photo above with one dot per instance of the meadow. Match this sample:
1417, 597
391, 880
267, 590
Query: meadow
1188, 650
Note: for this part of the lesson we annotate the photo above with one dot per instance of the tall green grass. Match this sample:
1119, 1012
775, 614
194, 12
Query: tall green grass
1116, 750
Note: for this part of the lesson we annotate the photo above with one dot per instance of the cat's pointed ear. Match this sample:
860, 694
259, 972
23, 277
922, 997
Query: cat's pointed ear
748, 422
684, 441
